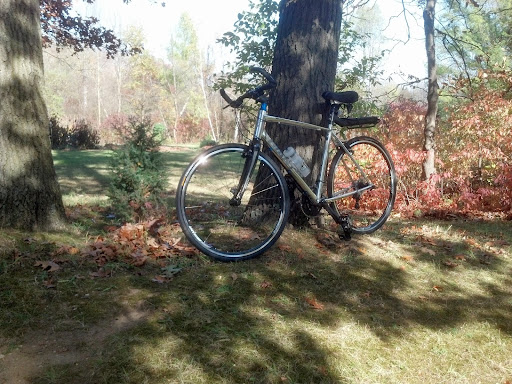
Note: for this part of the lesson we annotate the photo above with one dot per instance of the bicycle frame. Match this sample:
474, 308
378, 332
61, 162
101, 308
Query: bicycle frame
315, 196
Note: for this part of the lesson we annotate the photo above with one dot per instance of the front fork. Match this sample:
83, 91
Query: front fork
251, 157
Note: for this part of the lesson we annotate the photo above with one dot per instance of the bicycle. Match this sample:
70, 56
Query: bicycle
233, 200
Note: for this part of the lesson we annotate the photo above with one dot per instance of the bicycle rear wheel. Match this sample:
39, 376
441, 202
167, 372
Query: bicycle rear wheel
219, 229
370, 207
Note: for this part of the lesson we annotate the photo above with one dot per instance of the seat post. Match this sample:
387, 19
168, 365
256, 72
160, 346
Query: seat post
333, 111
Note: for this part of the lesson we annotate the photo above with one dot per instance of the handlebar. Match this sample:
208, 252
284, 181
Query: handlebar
255, 93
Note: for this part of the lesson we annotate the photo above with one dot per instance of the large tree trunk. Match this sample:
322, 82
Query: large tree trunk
304, 65
30, 197
433, 91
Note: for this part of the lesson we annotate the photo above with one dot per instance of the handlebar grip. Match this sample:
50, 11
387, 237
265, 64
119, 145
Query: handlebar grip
272, 83
225, 96
253, 93
232, 103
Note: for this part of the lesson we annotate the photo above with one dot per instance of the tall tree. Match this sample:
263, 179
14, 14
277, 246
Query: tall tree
475, 37
304, 65
143, 76
433, 90
29, 194
185, 80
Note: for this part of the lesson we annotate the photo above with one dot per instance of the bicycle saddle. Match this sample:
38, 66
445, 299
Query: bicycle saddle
347, 97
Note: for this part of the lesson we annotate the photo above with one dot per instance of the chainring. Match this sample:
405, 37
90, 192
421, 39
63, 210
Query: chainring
309, 208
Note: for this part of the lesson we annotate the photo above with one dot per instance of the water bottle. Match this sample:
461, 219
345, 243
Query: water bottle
296, 161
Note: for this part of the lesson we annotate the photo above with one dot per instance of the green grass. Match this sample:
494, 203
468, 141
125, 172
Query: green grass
84, 176
419, 301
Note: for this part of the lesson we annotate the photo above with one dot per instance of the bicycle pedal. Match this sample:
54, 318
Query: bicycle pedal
344, 235
345, 229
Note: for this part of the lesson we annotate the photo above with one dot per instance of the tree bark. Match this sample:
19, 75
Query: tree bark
304, 65
30, 197
433, 91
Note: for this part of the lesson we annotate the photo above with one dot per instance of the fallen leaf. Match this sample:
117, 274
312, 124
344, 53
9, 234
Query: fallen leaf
460, 257
48, 266
100, 273
154, 225
428, 250
160, 279
49, 284
73, 251
284, 247
326, 240
266, 284
407, 258
314, 303
152, 243
450, 264
472, 242
437, 288
322, 370
171, 270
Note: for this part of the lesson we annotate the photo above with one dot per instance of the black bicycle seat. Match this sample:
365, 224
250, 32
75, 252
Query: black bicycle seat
347, 97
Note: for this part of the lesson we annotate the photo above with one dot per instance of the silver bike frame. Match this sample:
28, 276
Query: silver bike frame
260, 133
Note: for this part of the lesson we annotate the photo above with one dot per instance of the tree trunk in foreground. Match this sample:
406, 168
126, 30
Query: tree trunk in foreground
30, 197
304, 65
433, 91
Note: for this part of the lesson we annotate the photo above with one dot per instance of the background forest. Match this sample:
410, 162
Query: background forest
92, 97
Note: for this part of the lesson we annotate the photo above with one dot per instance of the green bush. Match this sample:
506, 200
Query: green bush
83, 136
58, 133
159, 131
207, 142
137, 183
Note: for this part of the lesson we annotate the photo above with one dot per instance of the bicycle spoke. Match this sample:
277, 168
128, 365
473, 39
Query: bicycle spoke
226, 231
367, 182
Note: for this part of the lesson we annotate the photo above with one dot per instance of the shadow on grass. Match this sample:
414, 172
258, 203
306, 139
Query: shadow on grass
298, 314
88, 171
83, 172
259, 321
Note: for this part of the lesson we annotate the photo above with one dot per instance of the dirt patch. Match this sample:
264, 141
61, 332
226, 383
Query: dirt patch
22, 361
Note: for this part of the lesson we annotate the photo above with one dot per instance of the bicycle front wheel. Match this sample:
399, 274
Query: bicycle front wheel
369, 177
212, 223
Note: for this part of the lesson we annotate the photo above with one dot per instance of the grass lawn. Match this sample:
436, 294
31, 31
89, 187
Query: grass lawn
419, 301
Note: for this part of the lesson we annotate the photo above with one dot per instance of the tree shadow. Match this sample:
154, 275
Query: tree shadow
215, 319
90, 177
262, 320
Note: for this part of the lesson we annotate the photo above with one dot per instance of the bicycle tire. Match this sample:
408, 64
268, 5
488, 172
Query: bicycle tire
370, 210
222, 231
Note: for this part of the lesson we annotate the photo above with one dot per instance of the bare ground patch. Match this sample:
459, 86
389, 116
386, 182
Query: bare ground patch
26, 358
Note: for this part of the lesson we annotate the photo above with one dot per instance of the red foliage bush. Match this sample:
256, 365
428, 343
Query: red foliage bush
474, 150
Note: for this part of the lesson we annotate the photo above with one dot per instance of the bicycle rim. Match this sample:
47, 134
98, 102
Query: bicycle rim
369, 208
223, 231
